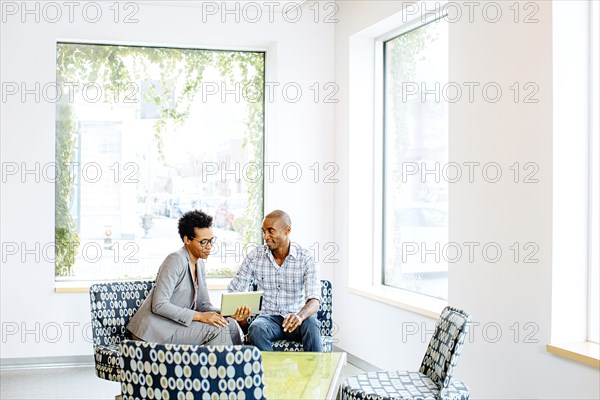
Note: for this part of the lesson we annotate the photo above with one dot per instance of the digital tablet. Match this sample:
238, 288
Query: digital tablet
230, 302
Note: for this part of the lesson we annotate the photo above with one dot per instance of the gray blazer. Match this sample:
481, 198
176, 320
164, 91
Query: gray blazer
167, 306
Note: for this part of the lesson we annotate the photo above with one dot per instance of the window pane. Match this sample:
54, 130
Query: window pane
415, 199
149, 134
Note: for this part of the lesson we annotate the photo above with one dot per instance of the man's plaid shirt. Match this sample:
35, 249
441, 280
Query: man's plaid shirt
286, 288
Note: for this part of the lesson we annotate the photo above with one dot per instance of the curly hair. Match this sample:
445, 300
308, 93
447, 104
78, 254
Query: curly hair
193, 219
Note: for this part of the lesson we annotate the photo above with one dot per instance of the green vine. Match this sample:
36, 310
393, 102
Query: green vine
67, 239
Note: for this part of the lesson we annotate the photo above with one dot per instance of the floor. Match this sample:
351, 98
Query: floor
77, 382
55, 383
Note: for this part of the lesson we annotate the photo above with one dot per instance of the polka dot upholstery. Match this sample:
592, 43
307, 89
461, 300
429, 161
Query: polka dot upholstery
434, 379
323, 315
173, 371
112, 305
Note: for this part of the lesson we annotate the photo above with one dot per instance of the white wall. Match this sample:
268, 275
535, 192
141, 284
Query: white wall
36, 321
504, 295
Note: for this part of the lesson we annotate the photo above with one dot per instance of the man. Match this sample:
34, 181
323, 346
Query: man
289, 279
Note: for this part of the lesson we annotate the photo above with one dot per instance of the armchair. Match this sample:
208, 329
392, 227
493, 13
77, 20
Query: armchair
112, 305
434, 379
174, 371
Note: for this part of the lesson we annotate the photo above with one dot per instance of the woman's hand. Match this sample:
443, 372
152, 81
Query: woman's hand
241, 314
211, 318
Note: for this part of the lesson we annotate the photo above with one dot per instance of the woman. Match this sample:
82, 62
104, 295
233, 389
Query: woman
178, 309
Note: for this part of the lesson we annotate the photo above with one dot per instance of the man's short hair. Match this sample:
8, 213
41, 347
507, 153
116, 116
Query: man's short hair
282, 215
193, 219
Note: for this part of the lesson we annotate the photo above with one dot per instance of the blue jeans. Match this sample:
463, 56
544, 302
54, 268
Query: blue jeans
266, 329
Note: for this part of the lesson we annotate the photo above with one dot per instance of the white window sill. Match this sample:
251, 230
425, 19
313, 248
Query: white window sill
417, 303
84, 286
583, 352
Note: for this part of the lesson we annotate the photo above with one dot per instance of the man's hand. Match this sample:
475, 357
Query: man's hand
211, 318
242, 313
291, 322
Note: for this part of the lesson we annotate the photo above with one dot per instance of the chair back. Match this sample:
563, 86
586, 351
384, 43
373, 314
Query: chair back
325, 308
179, 371
113, 304
445, 346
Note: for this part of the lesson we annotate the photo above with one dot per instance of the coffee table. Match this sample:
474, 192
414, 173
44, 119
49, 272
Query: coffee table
302, 375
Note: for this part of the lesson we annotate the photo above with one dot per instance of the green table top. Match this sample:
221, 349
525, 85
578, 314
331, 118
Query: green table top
302, 375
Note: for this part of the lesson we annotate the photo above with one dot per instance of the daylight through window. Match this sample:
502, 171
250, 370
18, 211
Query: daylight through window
144, 134
415, 149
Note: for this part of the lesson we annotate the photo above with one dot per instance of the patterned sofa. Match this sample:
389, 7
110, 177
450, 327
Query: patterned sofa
114, 303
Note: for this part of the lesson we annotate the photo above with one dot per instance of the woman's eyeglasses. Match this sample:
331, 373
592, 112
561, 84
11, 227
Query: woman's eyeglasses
206, 242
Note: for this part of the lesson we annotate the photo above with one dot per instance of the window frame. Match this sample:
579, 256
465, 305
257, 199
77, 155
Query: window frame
366, 88
574, 126
594, 175
380, 172
214, 283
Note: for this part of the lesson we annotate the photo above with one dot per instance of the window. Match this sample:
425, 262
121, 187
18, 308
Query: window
145, 134
415, 151
575, 218
594, 178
